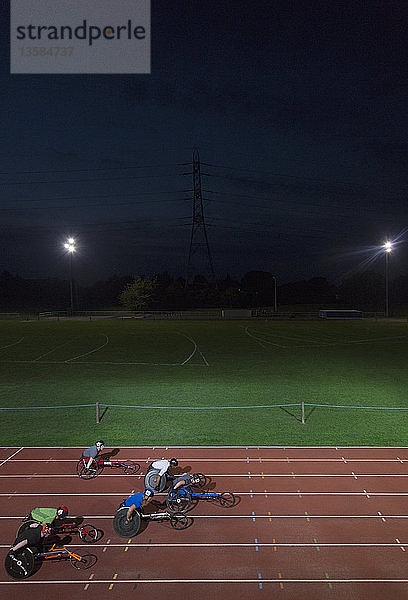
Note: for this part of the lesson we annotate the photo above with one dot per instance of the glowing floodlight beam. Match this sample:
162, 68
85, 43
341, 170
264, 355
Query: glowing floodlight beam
387, 246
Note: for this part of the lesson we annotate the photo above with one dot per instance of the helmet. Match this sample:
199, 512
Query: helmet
195, 479
46, 529
148, 493
99, 443
174, 462
62, 511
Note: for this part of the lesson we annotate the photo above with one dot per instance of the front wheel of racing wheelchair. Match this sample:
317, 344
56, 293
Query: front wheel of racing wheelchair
128, 529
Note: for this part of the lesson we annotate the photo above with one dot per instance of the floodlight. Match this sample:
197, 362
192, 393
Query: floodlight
387, 246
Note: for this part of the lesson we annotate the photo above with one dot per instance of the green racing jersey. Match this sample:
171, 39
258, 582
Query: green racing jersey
44, 515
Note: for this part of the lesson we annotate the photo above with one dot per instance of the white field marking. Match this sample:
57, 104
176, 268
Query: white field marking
196, 349
206, 581
12, 344
203, 357
93, 362
7, 459
218, 475
324, 344
91, 351
260, 340
304, 339
228, 545
52, 350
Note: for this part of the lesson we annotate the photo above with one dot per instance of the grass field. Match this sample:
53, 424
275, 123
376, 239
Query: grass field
201, 363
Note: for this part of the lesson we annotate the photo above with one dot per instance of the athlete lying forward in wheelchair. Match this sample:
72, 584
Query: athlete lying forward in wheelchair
129, 516
187, 489
56, 520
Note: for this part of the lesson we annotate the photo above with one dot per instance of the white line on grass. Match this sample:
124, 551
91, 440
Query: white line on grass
261, 341
12, 344
52, 350
91, 351
194, 348
322, 344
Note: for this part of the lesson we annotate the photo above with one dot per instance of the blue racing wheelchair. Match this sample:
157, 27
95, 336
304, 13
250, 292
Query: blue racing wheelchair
181, 499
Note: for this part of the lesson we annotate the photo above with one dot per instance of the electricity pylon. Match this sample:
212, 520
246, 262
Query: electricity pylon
198, 239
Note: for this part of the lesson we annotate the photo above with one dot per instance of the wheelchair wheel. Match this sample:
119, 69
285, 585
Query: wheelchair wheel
85, 562
178, 501
25, 526
20, 564
150, 480
203, 480
88, 533
123, 527
226, 499
129, 467
179, 520
85, 473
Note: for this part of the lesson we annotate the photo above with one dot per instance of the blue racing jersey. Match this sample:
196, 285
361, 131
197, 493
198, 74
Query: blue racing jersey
135, 499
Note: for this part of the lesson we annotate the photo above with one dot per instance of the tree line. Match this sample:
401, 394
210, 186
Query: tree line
365, 291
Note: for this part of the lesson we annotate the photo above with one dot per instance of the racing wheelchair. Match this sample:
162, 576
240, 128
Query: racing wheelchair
88, 533
128, 529
150, 480
129, 467
23, 563
181, 499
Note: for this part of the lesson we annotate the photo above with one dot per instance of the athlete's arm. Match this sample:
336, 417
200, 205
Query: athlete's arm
18, 546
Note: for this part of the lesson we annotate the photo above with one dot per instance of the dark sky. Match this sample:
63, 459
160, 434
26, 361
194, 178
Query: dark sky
299, 112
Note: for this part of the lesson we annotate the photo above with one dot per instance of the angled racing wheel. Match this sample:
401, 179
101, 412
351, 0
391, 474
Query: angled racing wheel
122, 526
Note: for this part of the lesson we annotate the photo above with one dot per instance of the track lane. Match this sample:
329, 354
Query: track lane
241, 526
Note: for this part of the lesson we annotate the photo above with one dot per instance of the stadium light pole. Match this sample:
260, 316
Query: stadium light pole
275, 294
387, 247
70, 248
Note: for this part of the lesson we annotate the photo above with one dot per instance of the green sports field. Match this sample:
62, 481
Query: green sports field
204, 364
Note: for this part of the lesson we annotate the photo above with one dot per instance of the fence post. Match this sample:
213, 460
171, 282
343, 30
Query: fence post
303, 413
97, 412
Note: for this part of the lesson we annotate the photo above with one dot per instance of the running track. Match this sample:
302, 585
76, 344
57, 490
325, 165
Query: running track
311, 523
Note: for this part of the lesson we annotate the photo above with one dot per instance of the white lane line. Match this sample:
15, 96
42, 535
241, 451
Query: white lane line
206, 581
112, 494
250, 475
268, 516
235, 545
7, 459
215, 460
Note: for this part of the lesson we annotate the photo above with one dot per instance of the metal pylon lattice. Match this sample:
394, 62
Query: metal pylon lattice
199, 240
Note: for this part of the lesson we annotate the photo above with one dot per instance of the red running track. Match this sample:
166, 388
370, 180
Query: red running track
310, 523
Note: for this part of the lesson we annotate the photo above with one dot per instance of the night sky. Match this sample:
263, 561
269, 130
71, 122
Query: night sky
299, 112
